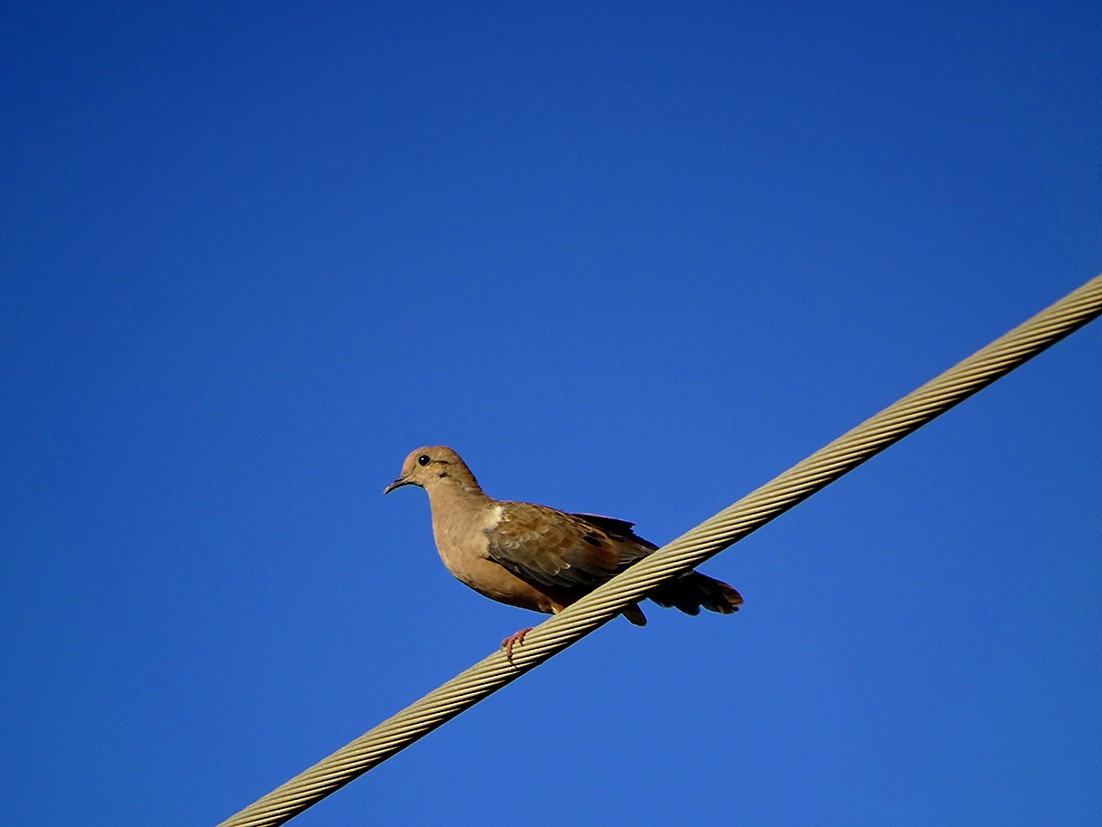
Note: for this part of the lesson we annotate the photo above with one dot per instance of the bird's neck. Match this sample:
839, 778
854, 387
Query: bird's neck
455, 492
457, 510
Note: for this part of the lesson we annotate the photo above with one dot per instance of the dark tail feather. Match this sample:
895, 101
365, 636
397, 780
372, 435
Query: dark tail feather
692, 591
635, 614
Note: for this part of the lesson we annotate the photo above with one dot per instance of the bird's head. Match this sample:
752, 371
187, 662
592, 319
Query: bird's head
431, 466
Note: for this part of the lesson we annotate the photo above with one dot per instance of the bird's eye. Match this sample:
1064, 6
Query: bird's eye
423, 459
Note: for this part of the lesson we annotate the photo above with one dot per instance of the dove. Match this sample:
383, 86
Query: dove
536, 557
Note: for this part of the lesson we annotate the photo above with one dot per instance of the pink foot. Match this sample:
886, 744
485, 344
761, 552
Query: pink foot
511, 641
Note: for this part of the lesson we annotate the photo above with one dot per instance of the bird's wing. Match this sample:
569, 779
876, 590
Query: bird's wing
618, 530
559, 550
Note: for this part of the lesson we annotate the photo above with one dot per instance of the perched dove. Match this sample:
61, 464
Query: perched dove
536, 557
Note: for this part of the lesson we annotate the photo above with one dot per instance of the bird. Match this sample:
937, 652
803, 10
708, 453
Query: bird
536, 557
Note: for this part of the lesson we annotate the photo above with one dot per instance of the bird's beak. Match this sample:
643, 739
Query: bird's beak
398, 483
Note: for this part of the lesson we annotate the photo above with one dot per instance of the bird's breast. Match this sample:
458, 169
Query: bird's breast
461, 537
464, 549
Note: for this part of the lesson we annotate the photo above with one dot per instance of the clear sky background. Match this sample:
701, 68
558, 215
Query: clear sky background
627, 258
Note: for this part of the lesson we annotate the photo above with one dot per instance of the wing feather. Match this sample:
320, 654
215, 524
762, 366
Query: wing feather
573, 552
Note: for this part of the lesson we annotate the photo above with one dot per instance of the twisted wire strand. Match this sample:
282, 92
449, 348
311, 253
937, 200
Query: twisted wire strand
682, 554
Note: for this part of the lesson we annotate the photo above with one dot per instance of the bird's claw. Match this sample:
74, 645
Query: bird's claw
511, 641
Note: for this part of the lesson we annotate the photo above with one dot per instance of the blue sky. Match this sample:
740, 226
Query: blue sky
632, 259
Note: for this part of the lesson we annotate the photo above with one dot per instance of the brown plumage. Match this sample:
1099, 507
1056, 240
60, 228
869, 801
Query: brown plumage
536, 557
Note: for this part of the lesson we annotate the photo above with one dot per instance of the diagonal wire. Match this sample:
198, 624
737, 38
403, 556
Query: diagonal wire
686, 552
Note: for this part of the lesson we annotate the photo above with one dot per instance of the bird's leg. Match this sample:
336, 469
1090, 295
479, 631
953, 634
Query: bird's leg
511, 641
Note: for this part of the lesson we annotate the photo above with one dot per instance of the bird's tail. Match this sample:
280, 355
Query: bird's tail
635, 614
694, 591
